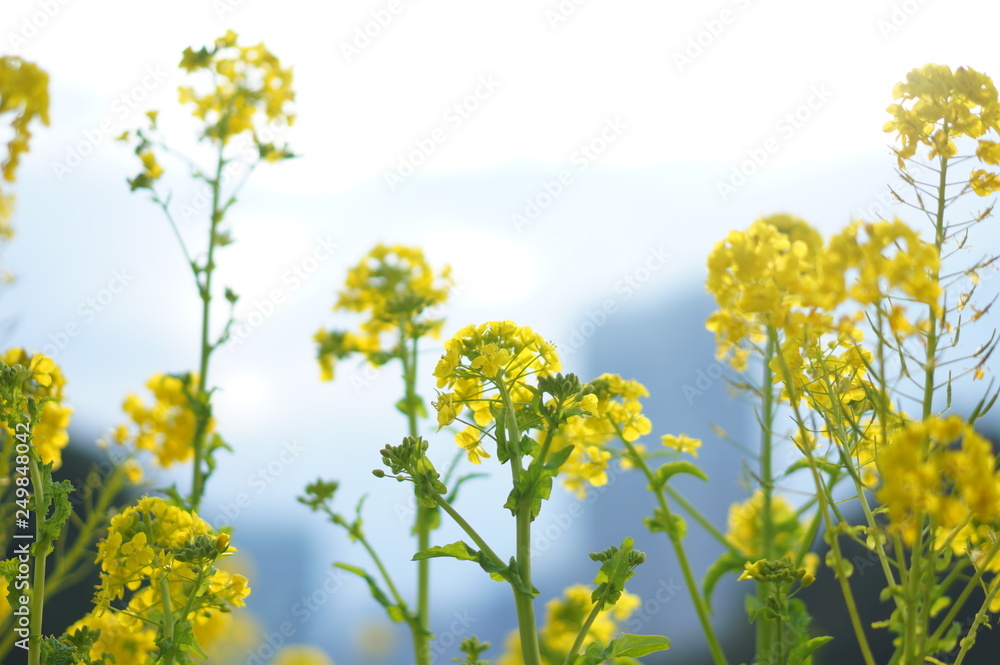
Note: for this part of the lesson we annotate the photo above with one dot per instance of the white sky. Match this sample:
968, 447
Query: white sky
674, 131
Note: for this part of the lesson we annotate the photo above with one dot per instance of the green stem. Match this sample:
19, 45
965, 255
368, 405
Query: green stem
168, 621
421, 642
585, 628
970, 636
38, 572
702, 520
205, 291
701, 608
765, 630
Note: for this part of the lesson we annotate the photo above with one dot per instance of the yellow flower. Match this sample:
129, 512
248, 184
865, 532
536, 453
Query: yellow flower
469, 441
746, 526
248, 82
130, 644
24, 92
926, 476
682, 443
168, 427
491, 360
398, 292
564, 617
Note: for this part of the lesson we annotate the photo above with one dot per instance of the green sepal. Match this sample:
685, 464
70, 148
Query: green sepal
671, 469
623, 646
396, 613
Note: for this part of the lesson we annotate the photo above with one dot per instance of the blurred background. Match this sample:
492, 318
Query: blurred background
573, 161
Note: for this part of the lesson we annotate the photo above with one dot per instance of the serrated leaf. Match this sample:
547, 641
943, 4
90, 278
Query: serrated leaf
799, 654
671, 469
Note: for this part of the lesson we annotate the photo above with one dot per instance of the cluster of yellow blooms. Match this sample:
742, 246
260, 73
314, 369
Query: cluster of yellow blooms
746, 531
245, 80
395, 287
479, 362
612, 409
943, 469
46, 385
564, 618
779, 275
167, 428
154, 548
937, 105
24, 92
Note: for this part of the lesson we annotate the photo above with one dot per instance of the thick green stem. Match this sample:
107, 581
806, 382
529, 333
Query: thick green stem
765, 629
38, 572
421, 632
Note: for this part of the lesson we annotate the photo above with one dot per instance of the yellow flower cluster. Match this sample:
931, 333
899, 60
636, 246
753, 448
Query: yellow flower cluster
247, 80
46, 385
395, 287
936, 105
481, 360
153, 548
564, 618
613, 410
167, 428
940, 470
746, 527
24, 91
779, 275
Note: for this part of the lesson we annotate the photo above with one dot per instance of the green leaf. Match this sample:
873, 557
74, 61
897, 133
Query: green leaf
671, 524
536, 480
396, 613
459, 550
558, 458
726, 563
463, 552
671, 469
623, 646
822, 465
800, 653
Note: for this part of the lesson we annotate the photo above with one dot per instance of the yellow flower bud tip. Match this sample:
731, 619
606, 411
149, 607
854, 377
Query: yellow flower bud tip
807, 579
222, 543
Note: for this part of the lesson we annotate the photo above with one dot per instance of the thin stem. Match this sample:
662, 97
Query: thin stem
585, 628
168, 621
205, 289
701, 608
